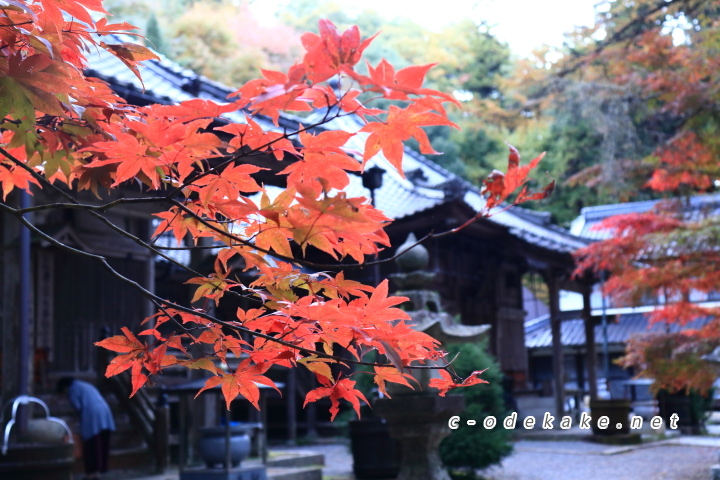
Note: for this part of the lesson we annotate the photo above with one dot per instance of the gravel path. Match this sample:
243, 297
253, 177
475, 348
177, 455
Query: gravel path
573, 460
586, 461
561, 460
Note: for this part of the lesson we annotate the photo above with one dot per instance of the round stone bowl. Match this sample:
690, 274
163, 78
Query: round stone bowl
212, 446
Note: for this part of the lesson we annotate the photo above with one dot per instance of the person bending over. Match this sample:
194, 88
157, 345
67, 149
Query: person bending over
96, 423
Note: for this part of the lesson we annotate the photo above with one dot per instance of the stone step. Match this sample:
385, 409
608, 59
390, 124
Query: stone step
292, 464
294, 458
294, 473
275, 473
123, 459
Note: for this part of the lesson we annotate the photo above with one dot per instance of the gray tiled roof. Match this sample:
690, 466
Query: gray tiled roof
163, 80
586, 224
538, 334
432, 185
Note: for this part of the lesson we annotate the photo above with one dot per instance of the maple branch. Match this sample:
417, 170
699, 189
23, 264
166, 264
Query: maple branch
258, 150
5, 25
91, 210
197, 247
178, 154
74, 203
238, 239
201, 314
241, 154
326, 266
85, 206
37, 176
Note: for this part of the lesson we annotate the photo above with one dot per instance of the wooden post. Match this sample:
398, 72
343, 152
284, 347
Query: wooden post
311, 412
591, 351
162, 433
262, 434
184, 437
557, 347
290, 396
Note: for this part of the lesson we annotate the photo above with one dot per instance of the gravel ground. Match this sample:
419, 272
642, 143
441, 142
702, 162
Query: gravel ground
338, 461
549, 461
572, 460
559, 460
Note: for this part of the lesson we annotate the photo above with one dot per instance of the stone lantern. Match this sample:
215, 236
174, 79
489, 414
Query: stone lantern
418, 419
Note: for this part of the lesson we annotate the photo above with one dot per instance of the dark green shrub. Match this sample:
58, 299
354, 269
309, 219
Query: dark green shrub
474, 447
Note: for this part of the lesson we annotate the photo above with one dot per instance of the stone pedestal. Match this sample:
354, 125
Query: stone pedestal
38, 461
419, 423
715, 472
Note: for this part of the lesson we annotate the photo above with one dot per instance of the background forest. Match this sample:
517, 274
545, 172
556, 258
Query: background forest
620, 97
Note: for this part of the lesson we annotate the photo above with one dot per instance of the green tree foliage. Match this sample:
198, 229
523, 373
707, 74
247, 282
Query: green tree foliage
649, 89
610, 110
474, 447
473, 154
154, 35
225, 42
135, 12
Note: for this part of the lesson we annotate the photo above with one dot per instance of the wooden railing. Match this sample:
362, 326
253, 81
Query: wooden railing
139, 407
150, 418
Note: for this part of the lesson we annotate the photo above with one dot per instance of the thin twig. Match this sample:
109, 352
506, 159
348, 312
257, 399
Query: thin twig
201, 314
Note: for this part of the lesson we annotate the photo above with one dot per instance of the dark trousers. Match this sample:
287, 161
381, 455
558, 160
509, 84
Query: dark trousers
96, 451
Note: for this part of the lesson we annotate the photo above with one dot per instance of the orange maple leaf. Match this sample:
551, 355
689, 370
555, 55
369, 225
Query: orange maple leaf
328, 52
125, 343
447, 383
130, 54
14, 176
393, 375
243, 382
401, 125
344, 388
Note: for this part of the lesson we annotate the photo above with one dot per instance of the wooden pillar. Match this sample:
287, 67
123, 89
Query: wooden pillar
161, 430
290, 396
185, 444
557, 347
311, 411
149, 306
591, 351
579, 369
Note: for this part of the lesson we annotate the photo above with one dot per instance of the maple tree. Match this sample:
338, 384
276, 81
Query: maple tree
65, 133
670, 252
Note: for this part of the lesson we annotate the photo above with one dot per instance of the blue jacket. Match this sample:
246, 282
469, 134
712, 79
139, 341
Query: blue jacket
95, 414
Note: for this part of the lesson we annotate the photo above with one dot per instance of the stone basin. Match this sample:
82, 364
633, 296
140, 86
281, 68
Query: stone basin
38, 461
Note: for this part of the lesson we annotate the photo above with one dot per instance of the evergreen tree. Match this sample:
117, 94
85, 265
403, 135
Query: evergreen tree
154, 35
474, 447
